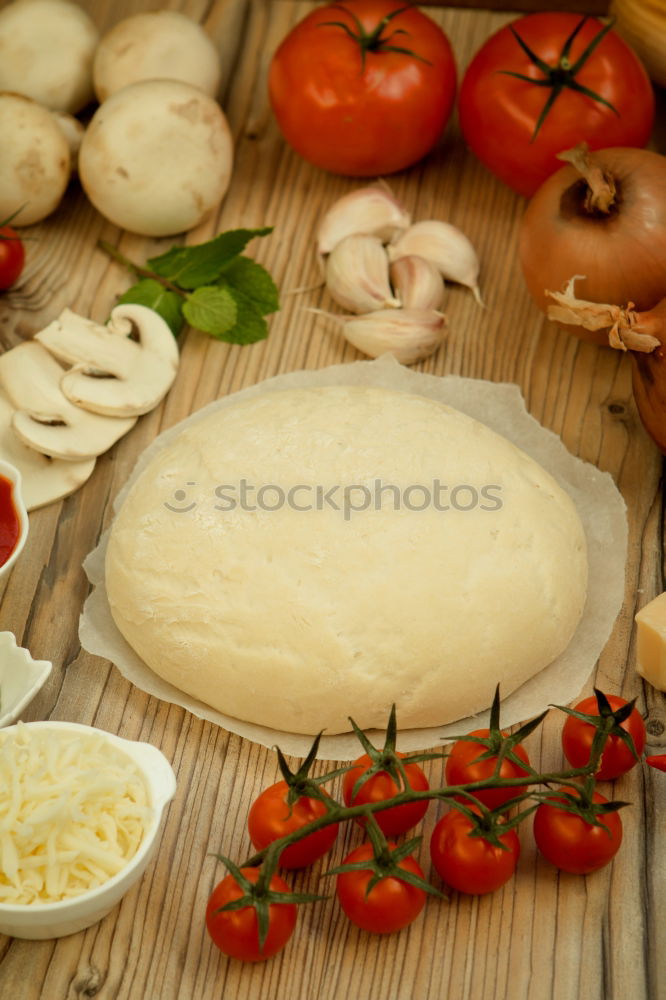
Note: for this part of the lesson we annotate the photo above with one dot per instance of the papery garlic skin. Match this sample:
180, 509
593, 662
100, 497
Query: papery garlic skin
357, 274
369, 210
410, 335
445, 246
417, 283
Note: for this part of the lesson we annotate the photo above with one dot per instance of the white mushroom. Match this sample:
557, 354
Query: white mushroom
156, 158
155, 44
43, 479
73, 131
46, 52
44, 419
35, 162
121, 370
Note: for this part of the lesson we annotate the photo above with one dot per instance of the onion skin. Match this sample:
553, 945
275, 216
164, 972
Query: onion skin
622, 253
649, 380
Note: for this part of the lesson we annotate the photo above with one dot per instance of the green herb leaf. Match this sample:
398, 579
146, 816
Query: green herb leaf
211, 309
167, 304
196, 266
250, 325
254, 282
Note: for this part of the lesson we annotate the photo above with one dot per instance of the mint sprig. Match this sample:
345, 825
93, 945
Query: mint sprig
211, 286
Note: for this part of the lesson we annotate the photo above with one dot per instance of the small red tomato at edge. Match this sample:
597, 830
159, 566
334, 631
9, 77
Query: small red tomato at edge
390, 905
467, 763
381, 786
471, 864
571, 843
271, 817
617, 758
236, 932
12, 257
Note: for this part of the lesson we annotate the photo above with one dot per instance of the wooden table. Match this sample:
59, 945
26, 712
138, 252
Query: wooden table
544, 934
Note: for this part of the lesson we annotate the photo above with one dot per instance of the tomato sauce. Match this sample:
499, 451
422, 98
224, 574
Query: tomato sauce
9, 521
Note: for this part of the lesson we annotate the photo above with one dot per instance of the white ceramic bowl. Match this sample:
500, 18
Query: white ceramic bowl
52, 920
14, 476
21, 677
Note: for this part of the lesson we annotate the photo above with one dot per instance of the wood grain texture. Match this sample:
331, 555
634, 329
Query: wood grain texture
544, 936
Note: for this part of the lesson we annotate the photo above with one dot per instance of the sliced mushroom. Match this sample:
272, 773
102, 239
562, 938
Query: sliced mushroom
44, 419
122, 369
43, 479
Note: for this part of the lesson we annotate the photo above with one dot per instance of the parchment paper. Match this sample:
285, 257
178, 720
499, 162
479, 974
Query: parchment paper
501, 406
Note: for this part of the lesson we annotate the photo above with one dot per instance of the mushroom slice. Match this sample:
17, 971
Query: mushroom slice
122, 369
43, 479
44, 419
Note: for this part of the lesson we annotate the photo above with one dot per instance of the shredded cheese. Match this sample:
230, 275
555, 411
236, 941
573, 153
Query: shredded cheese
73, 810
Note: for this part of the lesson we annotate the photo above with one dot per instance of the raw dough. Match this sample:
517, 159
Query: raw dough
296, 619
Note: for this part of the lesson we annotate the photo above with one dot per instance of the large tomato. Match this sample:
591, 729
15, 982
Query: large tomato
617, 758
12, 256
379, 787
471, 864
390, 905
272, 817
572, 844
471, 761
236, 932
603, 98
363, 87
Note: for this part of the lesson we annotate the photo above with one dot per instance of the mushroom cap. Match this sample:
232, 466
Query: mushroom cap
155, 44
46, 52
35, 161
156, 158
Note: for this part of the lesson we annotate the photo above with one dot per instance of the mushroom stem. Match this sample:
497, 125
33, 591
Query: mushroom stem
143, 272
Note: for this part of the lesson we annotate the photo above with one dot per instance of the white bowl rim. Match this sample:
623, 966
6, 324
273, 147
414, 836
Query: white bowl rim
158, 806
43, 671
10, 472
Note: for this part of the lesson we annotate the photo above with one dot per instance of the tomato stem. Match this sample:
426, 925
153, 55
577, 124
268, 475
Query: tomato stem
373, 41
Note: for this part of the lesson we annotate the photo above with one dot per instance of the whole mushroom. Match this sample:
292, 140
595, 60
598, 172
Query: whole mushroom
46, 52
156, 158
155, 44
35, 164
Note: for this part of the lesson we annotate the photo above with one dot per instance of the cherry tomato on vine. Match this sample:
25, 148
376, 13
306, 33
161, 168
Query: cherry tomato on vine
363, 87
572, 844
471, 864
381, 786
467, 763
272, 817
12, 256
518, 111
236, 932
390, 905
617, 758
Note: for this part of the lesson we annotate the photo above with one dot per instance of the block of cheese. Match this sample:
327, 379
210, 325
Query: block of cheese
651, 642
304, 555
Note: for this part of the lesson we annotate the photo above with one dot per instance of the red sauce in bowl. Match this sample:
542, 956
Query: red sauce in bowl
10, 526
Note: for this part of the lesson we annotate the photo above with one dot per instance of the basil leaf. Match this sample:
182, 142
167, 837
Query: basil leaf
167, 304
250, 325
211, 309
254, 281
196, 266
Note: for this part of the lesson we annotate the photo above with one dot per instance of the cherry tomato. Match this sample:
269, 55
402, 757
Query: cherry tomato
464, 765
617, 758
471, 864
390, 905
236, 932
381, 786
363, 87
499, 112
571, 843
271, 817
12, 256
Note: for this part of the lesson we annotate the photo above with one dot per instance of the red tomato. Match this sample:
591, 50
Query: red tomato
572, 844
499, 112
271, 817
617, 758
381, 786
471, 864
12, 256
365, 105
236, 932
390, 905
463, 765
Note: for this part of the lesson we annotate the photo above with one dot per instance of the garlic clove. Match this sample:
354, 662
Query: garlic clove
408, 334
370, 210
357, 274
417, 283
447, 247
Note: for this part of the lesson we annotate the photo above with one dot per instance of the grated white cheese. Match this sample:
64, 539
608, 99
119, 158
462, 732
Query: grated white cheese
73, 809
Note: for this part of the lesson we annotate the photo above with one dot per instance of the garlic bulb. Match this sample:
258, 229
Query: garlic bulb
357, 274
369, 210
408, 334
445, 246
417, 282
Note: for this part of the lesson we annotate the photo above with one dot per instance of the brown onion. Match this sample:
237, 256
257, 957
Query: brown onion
604, 218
